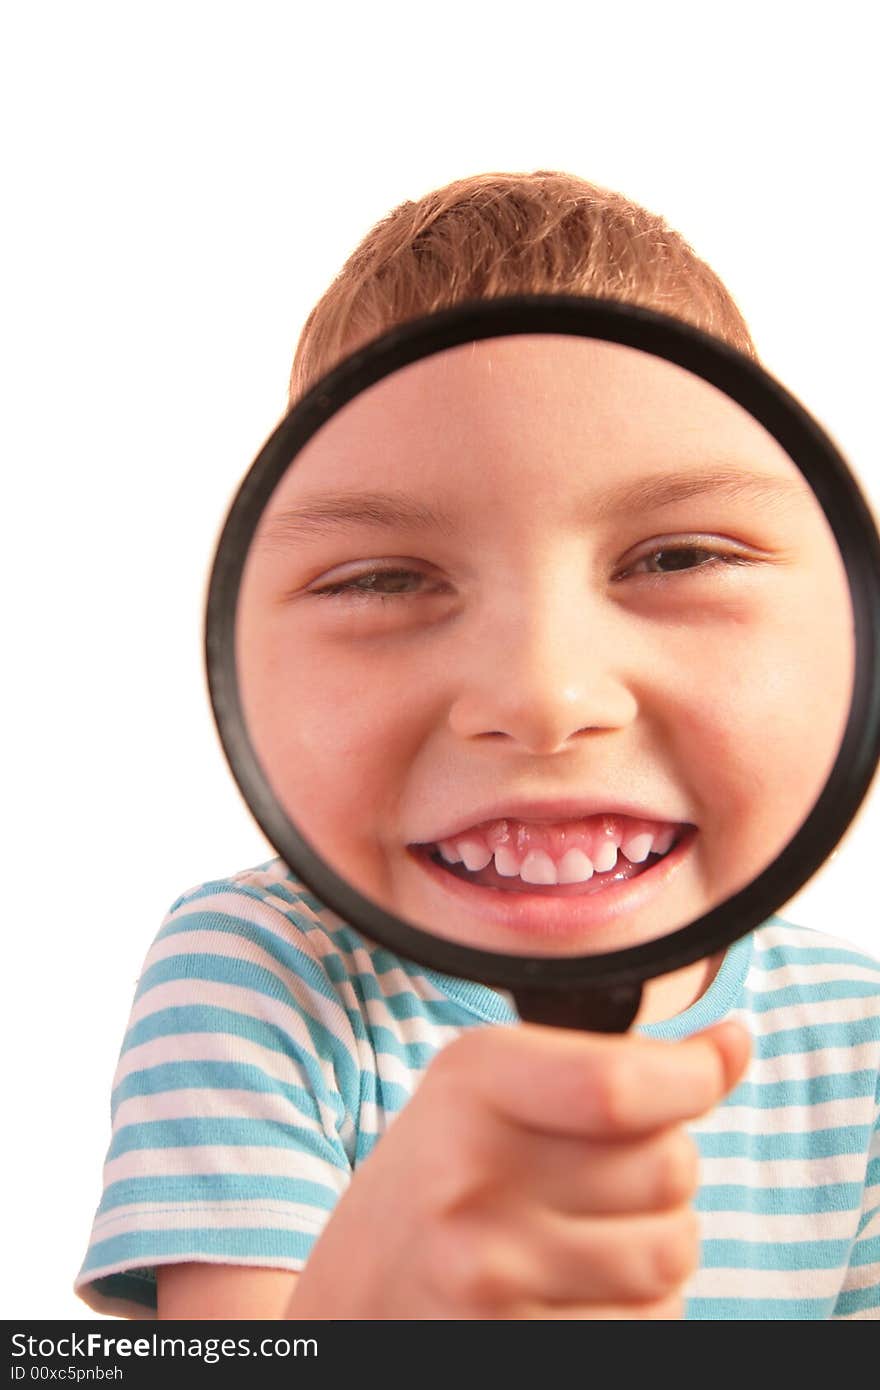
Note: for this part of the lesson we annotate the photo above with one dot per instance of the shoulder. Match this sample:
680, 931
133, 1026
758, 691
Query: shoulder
262, 930
258, 909
252, 955
810, 991
780, 945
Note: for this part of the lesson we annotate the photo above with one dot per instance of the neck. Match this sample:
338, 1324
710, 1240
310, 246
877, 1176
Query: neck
668, 995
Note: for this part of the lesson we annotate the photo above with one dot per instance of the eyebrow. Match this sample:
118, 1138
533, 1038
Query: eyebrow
340, 511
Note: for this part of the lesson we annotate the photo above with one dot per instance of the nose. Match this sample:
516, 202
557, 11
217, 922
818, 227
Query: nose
546, 669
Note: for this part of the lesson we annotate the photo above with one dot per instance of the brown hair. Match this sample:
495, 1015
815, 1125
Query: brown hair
505, 234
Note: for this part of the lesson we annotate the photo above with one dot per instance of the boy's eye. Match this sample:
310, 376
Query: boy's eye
682, 557
380, 583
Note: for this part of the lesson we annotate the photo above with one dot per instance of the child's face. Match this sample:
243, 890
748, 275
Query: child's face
545, 645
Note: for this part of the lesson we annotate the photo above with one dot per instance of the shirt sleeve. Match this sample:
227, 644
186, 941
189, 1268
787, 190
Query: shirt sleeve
234, 1102
860, 1295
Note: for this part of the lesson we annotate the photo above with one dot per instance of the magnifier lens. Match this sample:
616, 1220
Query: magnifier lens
535, 651
545, 645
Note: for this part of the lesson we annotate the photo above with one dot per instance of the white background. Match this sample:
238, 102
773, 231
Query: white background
180, 183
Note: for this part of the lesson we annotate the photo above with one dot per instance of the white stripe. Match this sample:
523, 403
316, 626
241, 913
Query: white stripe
238, 1215
273, 916
825, 1061
393, 981
788, 1119
261, 1007
224, 1047
758, 1226
242, 906
103, 1303
208, 1103
872, 1230
766, 1283
213, 1159
207, 1047
392, 1069
790, 934
812, 1012
417, 1029
783, 1172
328, 1011
375, 1122
863, 1277
765, 981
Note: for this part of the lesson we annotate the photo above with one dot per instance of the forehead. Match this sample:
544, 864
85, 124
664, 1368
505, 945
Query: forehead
527, 414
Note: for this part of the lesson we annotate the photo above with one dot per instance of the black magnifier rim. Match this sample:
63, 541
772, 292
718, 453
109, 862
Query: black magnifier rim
809, 447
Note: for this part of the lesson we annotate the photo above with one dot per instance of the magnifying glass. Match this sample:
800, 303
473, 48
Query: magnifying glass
542, 644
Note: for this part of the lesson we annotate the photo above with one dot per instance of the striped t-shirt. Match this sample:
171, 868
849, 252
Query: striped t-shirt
270, 1045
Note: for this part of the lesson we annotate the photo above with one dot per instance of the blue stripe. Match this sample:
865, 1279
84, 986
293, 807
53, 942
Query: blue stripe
204, 1131
857, 1301
758, 1309
298, 959
199, 1188
813, 992
200, 1241
867, 1251
130, 1285
814, 1037
778, 957
228, 970
389, 1095
810, 1090
816, 1143
206, 1018
213, 1076
246, 974
774, 1255
779, 1201
262, 894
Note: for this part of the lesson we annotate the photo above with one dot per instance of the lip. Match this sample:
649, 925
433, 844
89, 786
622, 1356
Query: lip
572, 808
533, 914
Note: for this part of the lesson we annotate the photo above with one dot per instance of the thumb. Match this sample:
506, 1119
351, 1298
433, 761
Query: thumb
734, 1045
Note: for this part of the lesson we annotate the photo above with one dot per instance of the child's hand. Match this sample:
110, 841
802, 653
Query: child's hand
536, 1173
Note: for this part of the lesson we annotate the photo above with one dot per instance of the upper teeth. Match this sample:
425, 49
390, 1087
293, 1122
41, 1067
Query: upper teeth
605, 857
474, 855
538, 866
576, 867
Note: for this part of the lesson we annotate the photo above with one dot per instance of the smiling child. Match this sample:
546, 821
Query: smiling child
548, 647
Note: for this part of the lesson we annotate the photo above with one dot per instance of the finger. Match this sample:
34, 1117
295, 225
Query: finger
538, 1259
596, 1086
735, 1050
638, 1259
587, 1177
665, 1310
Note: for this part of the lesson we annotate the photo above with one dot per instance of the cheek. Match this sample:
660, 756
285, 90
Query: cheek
763, 720
336, 742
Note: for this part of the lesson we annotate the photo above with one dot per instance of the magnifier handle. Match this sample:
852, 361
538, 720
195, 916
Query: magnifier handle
604, 1010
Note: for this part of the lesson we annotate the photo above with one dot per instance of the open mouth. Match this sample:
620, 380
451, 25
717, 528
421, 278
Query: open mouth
580, 857
510, 869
